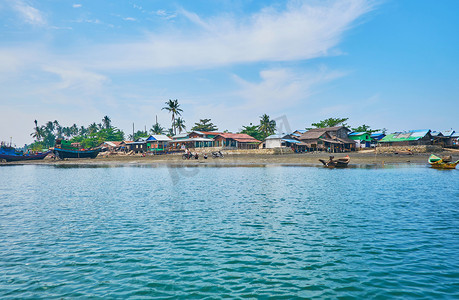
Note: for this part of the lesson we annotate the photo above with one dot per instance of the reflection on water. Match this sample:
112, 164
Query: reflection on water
111, 231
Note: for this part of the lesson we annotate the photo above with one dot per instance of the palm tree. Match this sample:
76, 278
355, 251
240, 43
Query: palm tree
38, 133
157, 129
267, 126
180, 124
174, 108
92, 129
107, 122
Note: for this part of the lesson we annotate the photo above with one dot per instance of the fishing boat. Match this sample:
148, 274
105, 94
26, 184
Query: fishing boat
64, 149
336, 163
9, 153
442, 162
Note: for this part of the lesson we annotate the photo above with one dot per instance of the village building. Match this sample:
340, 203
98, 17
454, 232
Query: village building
236, 141
194, 139
444, 138
284, 140
362, 139
407, 138
331, 139
111, 146
157, 144
137, 146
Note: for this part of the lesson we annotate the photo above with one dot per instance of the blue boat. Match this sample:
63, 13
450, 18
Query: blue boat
12, 154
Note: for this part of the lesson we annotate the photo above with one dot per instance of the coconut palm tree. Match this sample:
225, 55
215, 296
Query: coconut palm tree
157, 129
267, 126
180, 124
107, 122
173, 107
38, 133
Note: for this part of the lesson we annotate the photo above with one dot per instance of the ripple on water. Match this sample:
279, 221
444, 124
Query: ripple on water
228, 232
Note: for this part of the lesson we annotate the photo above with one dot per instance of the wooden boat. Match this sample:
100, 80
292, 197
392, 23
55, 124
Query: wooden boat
336, 163
12, 154
63, 149
442, 163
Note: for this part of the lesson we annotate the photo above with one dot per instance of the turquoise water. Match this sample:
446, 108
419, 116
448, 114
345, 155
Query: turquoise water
142, 232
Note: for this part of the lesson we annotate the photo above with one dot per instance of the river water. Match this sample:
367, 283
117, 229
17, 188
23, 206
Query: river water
239, 232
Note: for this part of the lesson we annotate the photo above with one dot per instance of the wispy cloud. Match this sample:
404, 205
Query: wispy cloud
76, 5
129, 19
29, 14
301, 31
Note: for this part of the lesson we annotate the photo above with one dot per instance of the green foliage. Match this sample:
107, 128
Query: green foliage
204, 125
139, 134
267, 127
180, 124
253, 131
46, 135
173, 107
331, 122
157, 129
365, 128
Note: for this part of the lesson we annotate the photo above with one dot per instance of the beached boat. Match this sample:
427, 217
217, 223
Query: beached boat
442, 163
336, 163
64, 149
12, 154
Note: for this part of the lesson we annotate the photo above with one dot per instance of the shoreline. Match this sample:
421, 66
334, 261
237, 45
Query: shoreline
358, 160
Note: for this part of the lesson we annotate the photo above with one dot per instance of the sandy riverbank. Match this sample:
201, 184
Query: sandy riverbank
362, 158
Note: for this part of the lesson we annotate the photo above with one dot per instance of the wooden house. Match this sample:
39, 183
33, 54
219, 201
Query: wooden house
331, 139
236, 141
157, 144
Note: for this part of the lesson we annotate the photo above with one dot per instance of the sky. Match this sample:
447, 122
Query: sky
387, 64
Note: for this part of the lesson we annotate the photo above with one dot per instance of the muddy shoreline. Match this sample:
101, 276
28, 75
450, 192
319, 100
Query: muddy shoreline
358, 159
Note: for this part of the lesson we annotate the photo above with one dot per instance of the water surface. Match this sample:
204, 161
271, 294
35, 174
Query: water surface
142, 232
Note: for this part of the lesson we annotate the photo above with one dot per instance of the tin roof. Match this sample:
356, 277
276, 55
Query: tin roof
412, 135
159, 138
240, 137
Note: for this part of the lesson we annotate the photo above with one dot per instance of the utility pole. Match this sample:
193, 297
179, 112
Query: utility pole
133, 131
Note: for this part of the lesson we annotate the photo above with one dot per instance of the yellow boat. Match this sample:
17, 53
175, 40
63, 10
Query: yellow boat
439, 163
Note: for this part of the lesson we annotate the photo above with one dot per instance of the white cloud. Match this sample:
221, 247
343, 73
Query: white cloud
129, 19
283, 87
76, 5
299, 32
29, 14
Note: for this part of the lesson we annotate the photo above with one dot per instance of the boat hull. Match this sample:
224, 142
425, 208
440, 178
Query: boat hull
65, 153
10, 157
438, 163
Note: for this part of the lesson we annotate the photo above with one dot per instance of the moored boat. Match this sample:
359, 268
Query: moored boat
11, 154
442, 163
336, 163
63, 149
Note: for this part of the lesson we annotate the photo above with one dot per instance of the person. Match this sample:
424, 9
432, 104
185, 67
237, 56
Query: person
196, 156
205, 155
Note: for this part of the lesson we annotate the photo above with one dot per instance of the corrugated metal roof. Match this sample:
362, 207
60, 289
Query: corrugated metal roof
291, 141
159, 138
448, 132
356, 133
412, 135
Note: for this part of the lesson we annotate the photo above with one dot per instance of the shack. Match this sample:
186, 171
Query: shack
331, 139
407, 138
362, 139
236, 141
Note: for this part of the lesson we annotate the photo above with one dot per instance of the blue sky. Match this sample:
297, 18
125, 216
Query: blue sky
387, 64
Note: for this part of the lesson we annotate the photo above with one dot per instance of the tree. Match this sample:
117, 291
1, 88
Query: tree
267, 126
204, 125
38, 133
331, 122
179, 124
173, 107
157, 129
138, 134
365, 128
253, 131
107, 122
